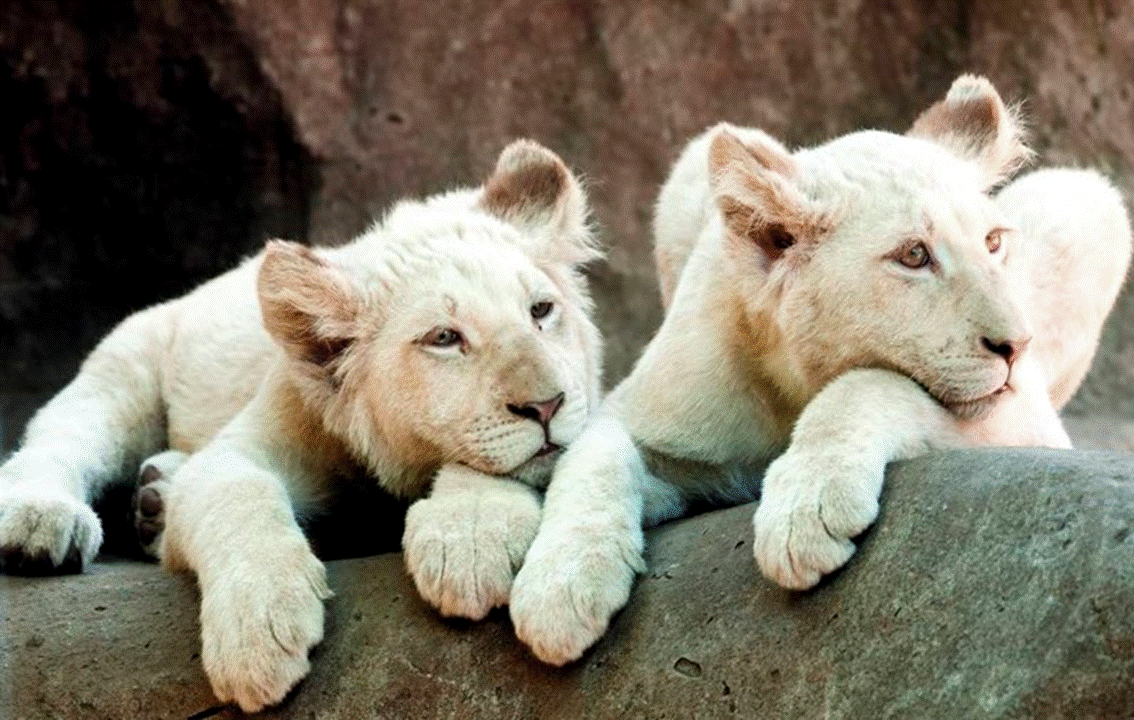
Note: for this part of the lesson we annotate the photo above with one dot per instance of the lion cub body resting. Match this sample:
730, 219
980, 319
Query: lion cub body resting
865, 299
453, 338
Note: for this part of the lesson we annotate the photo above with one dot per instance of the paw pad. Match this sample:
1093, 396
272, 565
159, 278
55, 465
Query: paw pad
149, 508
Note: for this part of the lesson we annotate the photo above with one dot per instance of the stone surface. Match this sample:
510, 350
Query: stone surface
997, 584
1100, 432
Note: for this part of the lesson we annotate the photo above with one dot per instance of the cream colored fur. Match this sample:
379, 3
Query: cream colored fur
804, 344
452, 341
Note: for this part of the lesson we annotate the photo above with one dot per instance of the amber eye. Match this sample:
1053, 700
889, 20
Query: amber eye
992, 240
442, 338
914, 256
541, 309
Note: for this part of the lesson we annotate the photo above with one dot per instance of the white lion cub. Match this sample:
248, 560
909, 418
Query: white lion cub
866, 299
450, 342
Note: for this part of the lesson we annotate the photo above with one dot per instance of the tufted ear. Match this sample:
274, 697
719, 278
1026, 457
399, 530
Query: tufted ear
532, 189
309, 306
753, 179
975, 124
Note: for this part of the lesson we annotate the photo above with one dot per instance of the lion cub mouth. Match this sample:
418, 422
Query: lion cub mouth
976, 408
547, 449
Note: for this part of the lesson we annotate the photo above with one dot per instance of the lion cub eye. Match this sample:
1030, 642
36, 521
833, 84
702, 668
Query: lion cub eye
442, 338
541, 309
993, 239
914, 256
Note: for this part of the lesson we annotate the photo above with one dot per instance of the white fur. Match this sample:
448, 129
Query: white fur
302, 366
793, 319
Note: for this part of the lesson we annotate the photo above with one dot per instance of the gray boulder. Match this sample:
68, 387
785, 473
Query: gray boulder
996, 584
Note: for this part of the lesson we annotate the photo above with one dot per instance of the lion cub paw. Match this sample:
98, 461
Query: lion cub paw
809, 511
149, 498
259, 619
571, 584
463, 549
45, 531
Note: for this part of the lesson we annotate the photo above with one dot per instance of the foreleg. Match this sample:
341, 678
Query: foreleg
582, 563
96, 430
229, 519
824, 489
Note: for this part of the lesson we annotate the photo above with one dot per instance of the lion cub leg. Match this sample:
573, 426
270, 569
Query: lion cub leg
465, 542
582, 563
94, 431
149, 498
823, 491
229, 518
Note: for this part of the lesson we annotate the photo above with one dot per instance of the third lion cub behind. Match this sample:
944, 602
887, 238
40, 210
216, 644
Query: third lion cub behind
866, 299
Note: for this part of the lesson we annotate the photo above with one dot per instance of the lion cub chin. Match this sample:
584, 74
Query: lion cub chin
451, 343
858, 302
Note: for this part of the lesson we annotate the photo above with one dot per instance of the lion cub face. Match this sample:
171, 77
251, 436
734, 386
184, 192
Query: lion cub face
457, 330
492, 353
879, 250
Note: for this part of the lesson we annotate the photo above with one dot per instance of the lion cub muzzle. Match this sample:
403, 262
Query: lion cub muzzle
1010, 350
541, 411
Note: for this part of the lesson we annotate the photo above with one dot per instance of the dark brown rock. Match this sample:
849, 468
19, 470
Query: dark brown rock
141, 152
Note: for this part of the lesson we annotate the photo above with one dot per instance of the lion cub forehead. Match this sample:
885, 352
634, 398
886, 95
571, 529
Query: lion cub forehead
892, 185
417, 240
469, 296
881, 161
467, 269
447, 220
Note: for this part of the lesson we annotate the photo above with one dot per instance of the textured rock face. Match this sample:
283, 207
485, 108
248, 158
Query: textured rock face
997, 584
192, 131
393, 104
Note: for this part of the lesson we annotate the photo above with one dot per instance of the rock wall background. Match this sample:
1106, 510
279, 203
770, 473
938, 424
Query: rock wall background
149, 144
141, 151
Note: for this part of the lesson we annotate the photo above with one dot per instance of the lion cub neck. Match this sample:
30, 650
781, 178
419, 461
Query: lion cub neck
728, 398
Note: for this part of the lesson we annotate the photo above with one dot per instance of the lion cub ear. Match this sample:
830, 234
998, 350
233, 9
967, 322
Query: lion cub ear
975, 124
532, 189
754, 183
309, 307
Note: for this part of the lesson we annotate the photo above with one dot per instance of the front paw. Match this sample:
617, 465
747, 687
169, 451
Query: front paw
45, 531
572, 582
809, 510
258, 622
463, 550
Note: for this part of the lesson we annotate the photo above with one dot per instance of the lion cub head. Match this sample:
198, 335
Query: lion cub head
456, 330
881, 250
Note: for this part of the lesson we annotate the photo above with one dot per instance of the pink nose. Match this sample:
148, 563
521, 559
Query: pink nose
541, 410
1007, 349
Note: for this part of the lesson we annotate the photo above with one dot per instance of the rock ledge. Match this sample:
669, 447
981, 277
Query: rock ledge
997, 584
